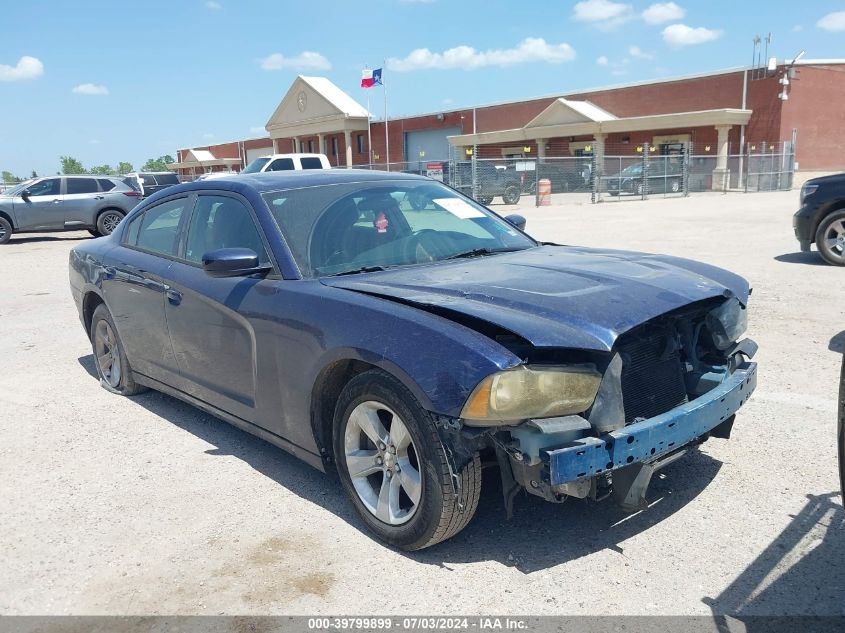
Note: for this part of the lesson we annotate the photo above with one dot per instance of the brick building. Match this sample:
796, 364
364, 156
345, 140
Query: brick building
721, 113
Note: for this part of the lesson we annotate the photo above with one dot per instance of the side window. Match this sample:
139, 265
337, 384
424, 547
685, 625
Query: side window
49, 187
158, 229
281, 164
106, 184
81, 185
311, 162
222, 222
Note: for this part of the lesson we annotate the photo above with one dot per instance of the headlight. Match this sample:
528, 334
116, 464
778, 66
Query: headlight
727, 323
806, 190
532, 392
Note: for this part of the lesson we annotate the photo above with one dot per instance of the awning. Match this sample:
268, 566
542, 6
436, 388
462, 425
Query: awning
578, 118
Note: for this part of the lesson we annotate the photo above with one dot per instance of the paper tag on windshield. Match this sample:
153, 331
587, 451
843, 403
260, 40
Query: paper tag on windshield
459, 208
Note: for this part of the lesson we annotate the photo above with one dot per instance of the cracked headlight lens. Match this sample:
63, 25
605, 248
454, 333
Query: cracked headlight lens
727, 323
532, 392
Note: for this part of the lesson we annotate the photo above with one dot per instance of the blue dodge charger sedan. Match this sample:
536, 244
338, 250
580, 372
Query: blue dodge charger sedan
406, 345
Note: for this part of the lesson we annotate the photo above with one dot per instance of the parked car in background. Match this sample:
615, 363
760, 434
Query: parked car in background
821, 218
287, 162
405, 347
148, 182
661, 178
564, 175
841, 429
66, 203
491, 181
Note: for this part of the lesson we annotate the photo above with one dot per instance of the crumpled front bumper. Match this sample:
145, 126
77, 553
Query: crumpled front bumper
650, 439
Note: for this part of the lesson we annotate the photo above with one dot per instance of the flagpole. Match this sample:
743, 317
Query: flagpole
386, 131
369, 136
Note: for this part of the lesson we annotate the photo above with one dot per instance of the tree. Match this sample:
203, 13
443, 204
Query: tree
9, 178
34, 174
158, 164
124, 168
103, 170
71, 166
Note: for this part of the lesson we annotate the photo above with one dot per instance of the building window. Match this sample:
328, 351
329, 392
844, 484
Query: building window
360, 143
334, 145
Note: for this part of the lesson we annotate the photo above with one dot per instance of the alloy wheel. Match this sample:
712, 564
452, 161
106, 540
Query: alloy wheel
110, 222
834, 239
382, 462
108, 356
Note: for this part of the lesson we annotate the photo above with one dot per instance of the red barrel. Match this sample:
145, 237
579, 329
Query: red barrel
544, 192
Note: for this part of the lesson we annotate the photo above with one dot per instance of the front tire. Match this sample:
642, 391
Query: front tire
830, 238
393, 466
108, 221
511, 194
112, 366
6, 230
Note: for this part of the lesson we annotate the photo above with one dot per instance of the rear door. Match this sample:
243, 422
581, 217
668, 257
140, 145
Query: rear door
211, 318
81, 200
136, 286
43, 208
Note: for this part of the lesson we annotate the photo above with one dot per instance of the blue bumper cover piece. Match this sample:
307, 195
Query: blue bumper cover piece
647, 440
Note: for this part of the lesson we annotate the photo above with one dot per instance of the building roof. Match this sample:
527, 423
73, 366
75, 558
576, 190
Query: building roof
337, 97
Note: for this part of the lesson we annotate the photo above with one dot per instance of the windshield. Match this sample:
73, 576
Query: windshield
255, 166
334, 229
13, 191
633, 169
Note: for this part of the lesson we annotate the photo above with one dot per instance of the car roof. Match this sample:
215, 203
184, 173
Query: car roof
293, 155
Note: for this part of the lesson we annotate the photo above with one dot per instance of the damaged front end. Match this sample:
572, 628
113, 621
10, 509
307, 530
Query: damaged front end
616, 418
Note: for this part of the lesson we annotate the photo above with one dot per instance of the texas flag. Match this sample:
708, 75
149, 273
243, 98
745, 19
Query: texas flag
370, 78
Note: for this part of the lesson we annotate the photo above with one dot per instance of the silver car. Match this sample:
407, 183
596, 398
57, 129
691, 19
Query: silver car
65, 203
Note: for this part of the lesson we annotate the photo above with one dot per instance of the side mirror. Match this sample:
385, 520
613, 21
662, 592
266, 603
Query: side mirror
232, 262
517, 220
26, 193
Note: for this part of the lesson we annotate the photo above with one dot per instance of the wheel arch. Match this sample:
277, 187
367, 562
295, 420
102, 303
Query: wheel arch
331, 380
8, 218
90, 302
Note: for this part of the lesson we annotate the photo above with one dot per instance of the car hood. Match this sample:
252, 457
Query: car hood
555, 296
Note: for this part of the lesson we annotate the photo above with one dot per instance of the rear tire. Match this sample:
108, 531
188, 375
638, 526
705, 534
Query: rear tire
108, 221
830, 238
385, 441
485, 200
6, 230
109, 358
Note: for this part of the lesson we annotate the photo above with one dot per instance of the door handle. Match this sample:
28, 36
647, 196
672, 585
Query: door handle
154, 285
99, 197
173, 296
109, 272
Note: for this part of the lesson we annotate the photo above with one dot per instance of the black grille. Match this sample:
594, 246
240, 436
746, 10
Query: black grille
652, 377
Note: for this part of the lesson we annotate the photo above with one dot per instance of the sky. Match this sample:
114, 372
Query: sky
106, 82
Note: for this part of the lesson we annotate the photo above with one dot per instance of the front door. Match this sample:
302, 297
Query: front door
43, 209
214, 335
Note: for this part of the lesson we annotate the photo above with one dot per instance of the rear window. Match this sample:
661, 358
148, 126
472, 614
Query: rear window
106, 184
167, 179
148, 179
311, 162
81, 185
131, 181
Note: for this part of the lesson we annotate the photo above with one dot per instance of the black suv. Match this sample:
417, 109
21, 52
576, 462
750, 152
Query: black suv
821, 218
148, 182
491, 181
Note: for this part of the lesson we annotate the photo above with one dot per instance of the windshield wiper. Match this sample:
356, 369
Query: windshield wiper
480, 252
363, 269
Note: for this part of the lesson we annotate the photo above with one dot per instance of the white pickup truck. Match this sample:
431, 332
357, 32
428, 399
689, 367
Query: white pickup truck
277, 162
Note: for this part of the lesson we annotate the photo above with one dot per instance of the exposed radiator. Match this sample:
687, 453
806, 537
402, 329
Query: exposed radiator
652, 377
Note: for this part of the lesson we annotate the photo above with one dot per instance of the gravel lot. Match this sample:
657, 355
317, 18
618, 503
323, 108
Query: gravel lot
145, 505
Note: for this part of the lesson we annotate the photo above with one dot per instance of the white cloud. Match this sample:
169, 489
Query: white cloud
90, 89
307, 60
212, 5
602, 60
661, 12
833, 22
677, 35
797, 28
603, 14
26, 68
531, 49
636, 51
257, 129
